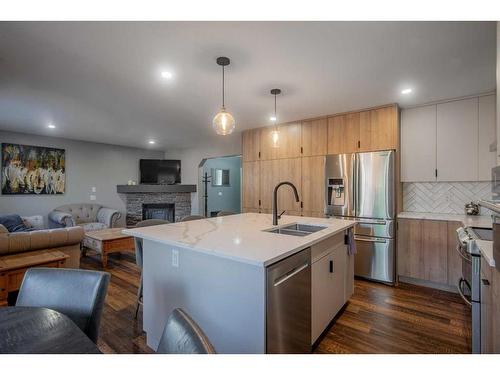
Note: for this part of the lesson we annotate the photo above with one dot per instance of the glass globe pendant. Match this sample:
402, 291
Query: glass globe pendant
223, 121
275, 134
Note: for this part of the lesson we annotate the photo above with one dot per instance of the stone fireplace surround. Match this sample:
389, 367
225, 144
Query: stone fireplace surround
137, 195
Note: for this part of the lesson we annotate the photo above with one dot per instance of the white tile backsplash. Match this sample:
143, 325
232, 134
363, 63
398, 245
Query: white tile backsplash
443, 197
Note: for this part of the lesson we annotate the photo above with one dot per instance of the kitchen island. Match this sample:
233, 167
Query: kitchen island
216, 269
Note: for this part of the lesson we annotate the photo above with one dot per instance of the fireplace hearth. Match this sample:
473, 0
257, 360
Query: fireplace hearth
162, 211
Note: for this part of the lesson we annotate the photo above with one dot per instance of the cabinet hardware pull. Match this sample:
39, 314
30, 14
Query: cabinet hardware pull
331, 266
359, 144
485, 282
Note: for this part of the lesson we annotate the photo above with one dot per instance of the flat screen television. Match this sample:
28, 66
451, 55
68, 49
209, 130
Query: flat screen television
157, 171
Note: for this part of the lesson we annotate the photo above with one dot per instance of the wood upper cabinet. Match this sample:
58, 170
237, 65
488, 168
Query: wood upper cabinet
422, 250
335, 134
289, 140
313, 185
314, 137
250, 144
364, 131
383, 129
251, 185
343, 133
267, 149
457, 140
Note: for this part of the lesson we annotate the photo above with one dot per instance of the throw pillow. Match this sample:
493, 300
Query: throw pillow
13, 223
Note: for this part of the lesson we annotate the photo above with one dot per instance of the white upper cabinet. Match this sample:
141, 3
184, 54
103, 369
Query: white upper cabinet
487, 137
457, 140
453, 139
418, 144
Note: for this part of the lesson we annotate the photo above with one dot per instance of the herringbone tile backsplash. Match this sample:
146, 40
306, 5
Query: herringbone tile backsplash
443, 197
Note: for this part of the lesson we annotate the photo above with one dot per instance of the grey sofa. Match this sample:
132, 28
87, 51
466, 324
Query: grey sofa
86, 215
66, 240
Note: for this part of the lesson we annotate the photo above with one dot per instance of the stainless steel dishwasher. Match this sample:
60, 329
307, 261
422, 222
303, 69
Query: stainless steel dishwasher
288, 311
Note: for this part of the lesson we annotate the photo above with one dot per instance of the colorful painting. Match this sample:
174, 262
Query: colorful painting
32, 170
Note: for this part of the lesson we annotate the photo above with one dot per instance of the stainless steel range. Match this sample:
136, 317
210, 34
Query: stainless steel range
469, 285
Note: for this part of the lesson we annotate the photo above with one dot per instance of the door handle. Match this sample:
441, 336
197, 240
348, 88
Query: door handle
459, 287
461, 253
364, 239
374, 222
290, 274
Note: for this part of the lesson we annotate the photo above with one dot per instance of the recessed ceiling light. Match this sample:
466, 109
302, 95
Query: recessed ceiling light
151, 142
406, 91
166, 75
272, 118
51, 126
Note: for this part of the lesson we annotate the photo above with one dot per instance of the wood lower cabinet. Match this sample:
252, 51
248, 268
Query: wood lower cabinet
313, 185
289, 170
423, 250
269, 177
454, 259
250, 186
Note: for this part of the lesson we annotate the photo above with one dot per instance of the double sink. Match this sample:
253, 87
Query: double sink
299, 230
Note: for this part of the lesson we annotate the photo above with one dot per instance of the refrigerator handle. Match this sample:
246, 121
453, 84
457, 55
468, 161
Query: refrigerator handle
355, 185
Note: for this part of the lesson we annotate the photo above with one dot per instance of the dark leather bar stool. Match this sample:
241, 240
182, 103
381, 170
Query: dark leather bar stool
78, 294
138, 254
182, 335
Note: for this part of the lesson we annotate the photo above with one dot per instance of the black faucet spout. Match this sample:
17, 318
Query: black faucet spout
275, 199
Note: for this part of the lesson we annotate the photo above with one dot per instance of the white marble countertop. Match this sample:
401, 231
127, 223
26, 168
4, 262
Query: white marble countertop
486, 248
467, 220
241, 237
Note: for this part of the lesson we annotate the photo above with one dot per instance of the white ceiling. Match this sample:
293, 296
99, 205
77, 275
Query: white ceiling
101, 81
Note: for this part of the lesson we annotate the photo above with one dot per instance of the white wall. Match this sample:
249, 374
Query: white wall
191, 158
87, 165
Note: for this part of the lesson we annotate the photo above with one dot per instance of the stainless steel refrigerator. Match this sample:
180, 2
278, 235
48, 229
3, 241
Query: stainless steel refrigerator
361, 186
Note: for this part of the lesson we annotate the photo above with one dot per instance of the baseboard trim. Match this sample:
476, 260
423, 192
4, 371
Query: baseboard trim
428, 284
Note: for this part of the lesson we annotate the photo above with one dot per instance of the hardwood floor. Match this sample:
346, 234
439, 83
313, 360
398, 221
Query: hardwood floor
378, 318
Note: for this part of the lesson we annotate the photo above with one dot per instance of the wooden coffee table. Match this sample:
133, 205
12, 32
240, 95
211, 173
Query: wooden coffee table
107, 241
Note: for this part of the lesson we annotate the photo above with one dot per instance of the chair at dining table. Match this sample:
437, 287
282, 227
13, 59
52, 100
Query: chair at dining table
78, 294
138, 255
182, 335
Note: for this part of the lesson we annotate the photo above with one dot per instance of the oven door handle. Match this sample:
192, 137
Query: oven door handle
460, 291
461, 253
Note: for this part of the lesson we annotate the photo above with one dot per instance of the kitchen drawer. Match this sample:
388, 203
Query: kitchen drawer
320, 249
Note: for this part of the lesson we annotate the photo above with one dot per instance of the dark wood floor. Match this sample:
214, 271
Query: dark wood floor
378, 318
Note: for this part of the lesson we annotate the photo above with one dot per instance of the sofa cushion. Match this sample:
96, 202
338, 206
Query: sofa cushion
13, 223
89, 227
81, 212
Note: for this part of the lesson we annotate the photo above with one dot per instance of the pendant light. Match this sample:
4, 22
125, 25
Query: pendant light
223, 122
275, 135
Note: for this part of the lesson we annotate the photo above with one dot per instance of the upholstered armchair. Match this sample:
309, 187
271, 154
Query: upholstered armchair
87, 215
